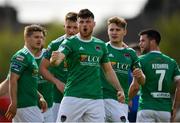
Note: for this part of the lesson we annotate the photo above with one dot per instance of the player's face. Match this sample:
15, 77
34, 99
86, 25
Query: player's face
116, 33
144, 44
36, 40
86, 26
71, 28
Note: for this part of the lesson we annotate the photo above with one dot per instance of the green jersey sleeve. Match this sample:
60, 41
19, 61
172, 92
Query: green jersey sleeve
66, 47
105, 57
18, 64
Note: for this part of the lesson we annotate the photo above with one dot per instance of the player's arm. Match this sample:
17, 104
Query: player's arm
112, 78
56, 58
133, 89
42, 102
13, 83
45, 63
176, 102
4, 87
139, 76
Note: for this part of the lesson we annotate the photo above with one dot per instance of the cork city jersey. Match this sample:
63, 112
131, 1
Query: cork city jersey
122, 60
160, 71
24, 64
84, 59
60, 72
45, 87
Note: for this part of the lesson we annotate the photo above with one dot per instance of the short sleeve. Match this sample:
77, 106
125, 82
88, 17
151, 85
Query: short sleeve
18, 64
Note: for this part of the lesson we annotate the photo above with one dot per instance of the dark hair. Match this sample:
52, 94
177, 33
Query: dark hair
28, 30
71, 16
152, 34
120, 22
85, 13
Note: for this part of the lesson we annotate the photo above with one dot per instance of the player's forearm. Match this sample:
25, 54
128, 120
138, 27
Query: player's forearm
133, 89
176, 102
141, 79
4, 87
56, 58
113, 80
13, 91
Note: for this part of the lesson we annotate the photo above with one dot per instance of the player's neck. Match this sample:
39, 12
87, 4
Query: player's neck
117, 44
34, 51
154, 49
38, 53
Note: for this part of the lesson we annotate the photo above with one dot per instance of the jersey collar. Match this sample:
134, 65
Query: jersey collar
85, 41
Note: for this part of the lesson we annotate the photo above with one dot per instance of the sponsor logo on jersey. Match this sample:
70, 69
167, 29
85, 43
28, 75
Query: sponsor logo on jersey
89, 60
16, 67
20, 58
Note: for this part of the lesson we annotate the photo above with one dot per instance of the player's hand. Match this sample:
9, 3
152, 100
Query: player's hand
11, 112
43, 104
54, 60
60, 86
173, 115
130, 103
137, 73
121, 96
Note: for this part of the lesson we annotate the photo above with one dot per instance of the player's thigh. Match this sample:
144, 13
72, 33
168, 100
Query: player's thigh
94, 111
145, 116
117, 111
48, 115
55, 110
71, 109
177, 119
29, 114
163, 116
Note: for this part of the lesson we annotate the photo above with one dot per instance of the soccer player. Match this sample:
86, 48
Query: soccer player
23, 79
58, 74
85, 56
156, 94
45, 88
123, 59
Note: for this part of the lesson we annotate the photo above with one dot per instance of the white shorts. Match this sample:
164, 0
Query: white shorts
73, 109
115, 111
153, 116
28, 115
48, 115
55, 110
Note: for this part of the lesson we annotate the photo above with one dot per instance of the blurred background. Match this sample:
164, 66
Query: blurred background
164, 15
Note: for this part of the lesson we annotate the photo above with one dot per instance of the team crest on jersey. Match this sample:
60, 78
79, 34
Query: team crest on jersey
98, 48
126, 54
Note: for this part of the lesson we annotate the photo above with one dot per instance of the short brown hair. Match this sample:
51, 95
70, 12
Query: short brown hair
121, 22
85, 13
71, 16
28, 30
